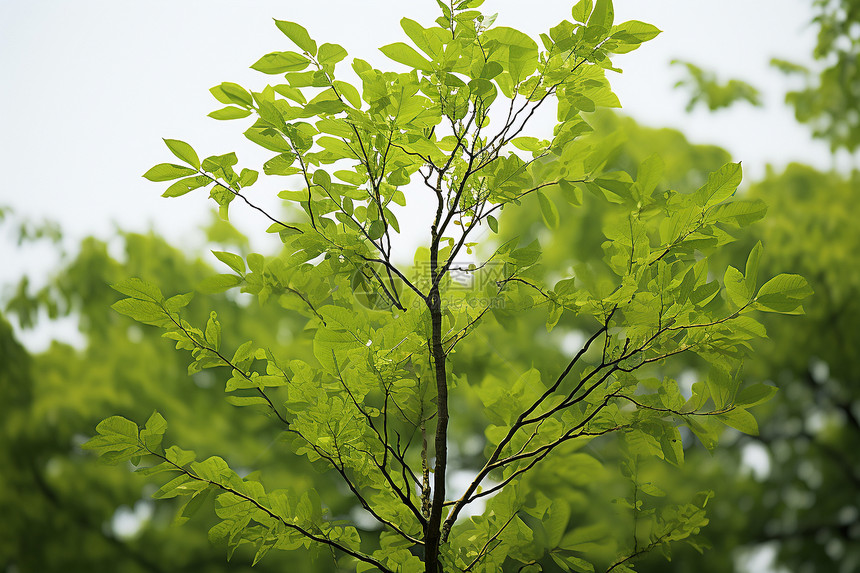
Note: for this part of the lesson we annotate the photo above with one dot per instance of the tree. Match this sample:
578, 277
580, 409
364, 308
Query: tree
705, 88
830, 94
390, 343
62, 507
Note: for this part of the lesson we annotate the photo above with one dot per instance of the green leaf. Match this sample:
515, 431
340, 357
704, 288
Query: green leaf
122, 429
245, 352
651, 489
548, 211
331, 54
281, 165
322, 178
178, 456
270, 381
602, 16
228, 92
281, 62
556, 522
264, 546
117, 440
268, 139
579, 564
349, 92
221, 163
218, 283
673, 446
186, 185
156, 469
299, 35
141, 311
239, 382
648, 176
751, 272
153, 432
720, 186
706, 429
212, 469
783, 293
176, 486
572, 191
705, 293
642, 443
582, 10
518, 53
376, 230
213, 331
737, 213
787, 285
193, 505
554, 315
405, 54
427, 40
168, 172
555, 557
755, 395
156, 424
493, 223
232, 260
248, 177
698, 399
787, 67
292, 93
527, 143
736, 288
184, 152
136, 288
634, 31
178, 301
722, 387
585, 539
740, 420
230, 112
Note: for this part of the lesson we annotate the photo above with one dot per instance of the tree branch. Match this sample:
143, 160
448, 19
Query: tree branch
288, 523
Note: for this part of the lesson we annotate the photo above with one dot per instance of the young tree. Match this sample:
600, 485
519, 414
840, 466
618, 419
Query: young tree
373, 405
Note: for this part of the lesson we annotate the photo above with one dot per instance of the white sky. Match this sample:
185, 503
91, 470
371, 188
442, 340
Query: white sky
89, 87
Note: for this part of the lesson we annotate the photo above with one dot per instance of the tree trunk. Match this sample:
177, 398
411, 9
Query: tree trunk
432, 534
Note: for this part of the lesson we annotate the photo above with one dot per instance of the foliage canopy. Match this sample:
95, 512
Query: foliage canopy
391, 343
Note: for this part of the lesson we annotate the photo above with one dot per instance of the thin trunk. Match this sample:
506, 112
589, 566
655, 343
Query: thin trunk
432, 535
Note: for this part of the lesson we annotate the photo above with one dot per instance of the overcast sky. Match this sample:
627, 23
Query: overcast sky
90, 87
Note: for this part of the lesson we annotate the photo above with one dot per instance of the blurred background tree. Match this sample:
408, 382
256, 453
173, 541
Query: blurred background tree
65, 512
829, 99
704, 87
